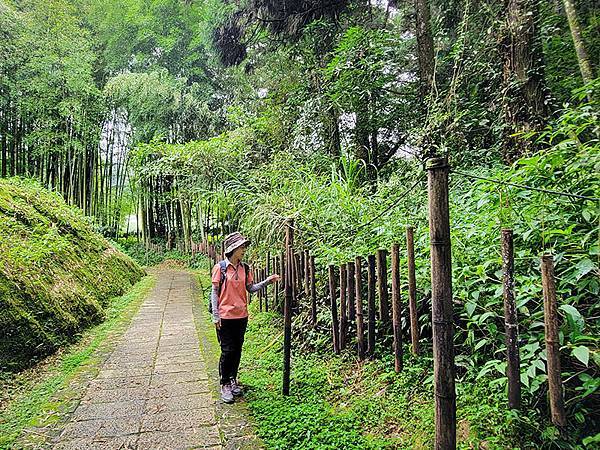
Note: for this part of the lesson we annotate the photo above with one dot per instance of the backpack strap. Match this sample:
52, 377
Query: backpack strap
223, 270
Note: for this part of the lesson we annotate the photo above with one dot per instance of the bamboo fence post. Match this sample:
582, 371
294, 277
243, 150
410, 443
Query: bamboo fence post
267, 273
276, 285
313, 291
441, 302
284, 277
396, 308
371, 304
287, 314
557, 405
260, 293
334, 315
412, 290
297, 278
360, 334
301, 266
510, 321
343, 308
351, 292
306, 270
384, 309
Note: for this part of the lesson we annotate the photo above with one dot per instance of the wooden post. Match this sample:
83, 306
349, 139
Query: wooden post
555, 392
412, 290
267, 273
510, 321
351, 292
297, 278
306, 271
301, 274
343, 307
261, 274
384, 309
360, 334
284, 274
313, 291
276, 286
287, 310
396, 308
441, 305
334, 315
371, 304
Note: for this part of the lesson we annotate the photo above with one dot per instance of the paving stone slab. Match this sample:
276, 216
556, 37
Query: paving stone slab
188, 420
184, 402
178, 377
119, 383
114, 410
115, 395
113, 443
178, 390
202, 438
121, 372
101, 428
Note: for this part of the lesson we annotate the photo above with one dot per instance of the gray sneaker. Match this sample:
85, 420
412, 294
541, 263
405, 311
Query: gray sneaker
236, 390
226, 394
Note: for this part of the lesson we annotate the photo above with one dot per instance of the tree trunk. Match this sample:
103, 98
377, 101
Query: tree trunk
525, 104
583, 59
425, 53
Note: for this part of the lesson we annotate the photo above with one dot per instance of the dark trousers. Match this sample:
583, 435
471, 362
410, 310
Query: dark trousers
231, 338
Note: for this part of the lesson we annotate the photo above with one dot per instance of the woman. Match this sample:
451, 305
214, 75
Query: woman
231, 280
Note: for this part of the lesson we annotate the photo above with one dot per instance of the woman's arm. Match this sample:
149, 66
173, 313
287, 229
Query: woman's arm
258, 286
252, 288
214, 300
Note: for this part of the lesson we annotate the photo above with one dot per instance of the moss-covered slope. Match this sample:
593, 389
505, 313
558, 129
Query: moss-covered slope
56, 273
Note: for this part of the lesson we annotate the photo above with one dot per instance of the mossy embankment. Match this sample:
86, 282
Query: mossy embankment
56, 273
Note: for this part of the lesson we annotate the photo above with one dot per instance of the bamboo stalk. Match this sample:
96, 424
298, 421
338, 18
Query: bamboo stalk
306, 266
313, 291
510, 321
334, 315
343, 310
267, 273
412, 290
287, 311
360, 334
371, 304
555, 392
441, 302
396, 308
384, 309
351, 293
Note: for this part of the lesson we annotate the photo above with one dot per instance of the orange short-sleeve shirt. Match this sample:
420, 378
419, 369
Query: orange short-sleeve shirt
233, 300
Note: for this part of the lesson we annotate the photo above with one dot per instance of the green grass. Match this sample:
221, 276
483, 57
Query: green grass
339, 402
44, 400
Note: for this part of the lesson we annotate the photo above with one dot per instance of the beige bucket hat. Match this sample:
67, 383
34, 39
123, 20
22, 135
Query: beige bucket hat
233, 241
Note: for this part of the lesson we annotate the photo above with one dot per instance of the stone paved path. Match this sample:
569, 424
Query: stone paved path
152, 392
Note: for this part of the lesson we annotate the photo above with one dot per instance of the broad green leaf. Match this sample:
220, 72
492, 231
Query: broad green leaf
470, 307
574, 318
582, 353
584, 267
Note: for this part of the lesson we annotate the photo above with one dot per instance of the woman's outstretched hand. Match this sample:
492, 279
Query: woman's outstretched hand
273, 278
